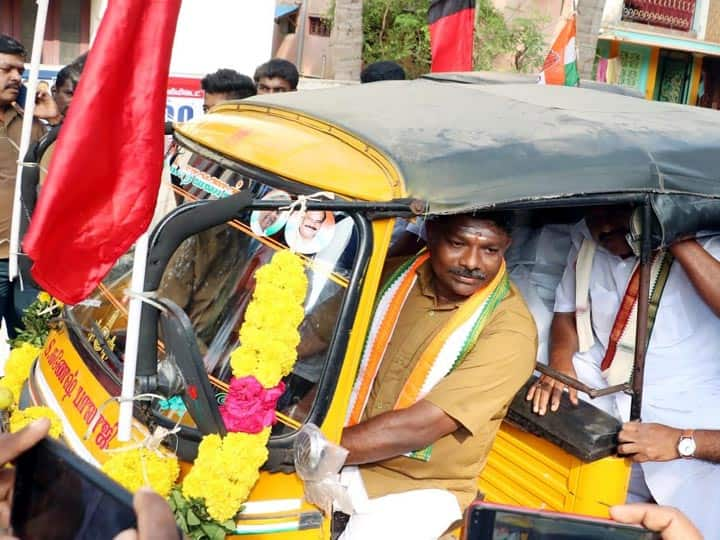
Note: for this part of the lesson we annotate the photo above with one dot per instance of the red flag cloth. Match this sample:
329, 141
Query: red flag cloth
102, 185
452, 27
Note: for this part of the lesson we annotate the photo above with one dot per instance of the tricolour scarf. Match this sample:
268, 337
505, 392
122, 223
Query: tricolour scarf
445, 351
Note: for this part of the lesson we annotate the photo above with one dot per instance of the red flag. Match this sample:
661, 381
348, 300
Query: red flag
105, 173
452, 26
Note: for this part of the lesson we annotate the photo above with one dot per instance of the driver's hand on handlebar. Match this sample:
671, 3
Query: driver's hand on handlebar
548, 390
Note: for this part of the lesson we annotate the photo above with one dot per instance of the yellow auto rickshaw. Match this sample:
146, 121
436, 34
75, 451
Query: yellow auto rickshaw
370, 159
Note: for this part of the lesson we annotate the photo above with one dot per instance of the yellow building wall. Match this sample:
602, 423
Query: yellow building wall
712, 29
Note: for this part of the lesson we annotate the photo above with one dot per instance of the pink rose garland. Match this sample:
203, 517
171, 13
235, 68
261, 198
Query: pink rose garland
249, 407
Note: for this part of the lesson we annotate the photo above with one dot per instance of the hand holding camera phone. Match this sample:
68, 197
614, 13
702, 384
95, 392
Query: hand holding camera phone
45, 106
59, 496
485, 521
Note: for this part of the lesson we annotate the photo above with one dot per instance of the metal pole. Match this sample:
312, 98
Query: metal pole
133, 336
641, 337
300, 31
40, 19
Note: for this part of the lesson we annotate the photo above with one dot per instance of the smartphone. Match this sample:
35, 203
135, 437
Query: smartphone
22, 96
486, 521
58, 496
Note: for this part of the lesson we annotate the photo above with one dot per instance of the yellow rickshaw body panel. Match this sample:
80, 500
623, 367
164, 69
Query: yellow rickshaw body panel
89, 415
299, 148
525, 470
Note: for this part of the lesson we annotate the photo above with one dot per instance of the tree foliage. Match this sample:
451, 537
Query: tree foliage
519, 39
397, 30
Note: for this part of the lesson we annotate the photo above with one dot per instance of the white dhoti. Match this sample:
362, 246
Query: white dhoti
420, 514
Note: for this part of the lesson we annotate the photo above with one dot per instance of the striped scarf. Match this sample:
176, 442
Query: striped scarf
445, 351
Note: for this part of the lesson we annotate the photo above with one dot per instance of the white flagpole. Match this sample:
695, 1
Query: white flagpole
133, 336
40, 19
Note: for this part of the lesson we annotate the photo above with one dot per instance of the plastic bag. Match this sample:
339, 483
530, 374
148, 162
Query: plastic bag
318, 463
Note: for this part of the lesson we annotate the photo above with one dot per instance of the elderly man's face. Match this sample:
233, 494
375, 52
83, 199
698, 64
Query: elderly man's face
311, 223
609, 226
466, 253
267, 219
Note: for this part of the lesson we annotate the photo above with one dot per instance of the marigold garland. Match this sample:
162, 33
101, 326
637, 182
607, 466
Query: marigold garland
225, 471
140, 467
227, 467
269, 336
22, 417
17, 368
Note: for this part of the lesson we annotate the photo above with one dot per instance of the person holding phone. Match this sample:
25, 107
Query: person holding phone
12, 58
154, 517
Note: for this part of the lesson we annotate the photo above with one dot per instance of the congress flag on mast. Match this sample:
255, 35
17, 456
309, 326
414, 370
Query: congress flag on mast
452, 28
560, 66
104, 177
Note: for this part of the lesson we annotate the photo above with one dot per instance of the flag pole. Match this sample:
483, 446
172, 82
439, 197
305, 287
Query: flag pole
133, 337
40, 20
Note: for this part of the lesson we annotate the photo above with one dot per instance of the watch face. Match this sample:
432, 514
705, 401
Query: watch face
686, 447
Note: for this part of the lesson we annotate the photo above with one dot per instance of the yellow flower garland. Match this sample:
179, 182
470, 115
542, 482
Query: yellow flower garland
269, 336
17, 368
22, 417
225, 471
140, 467
227, 468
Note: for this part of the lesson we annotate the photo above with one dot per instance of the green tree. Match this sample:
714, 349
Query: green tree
518, 38
397, 30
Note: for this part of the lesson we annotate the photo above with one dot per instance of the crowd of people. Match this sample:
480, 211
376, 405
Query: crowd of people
459, 292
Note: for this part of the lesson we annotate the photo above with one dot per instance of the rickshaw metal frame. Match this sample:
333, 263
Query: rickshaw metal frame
168, 235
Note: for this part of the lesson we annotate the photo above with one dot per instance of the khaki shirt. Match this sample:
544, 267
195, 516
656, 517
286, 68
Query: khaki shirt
10, 130
476, 394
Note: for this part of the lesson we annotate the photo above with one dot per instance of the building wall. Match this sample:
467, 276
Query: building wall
634, 61
315, 53
712, 30
67, 28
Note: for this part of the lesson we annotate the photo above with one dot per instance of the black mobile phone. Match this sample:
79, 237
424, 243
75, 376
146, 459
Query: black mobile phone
58, 496
486, 521
22, 96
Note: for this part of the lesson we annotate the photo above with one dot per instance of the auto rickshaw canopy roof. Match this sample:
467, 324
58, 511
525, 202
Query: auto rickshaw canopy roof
461, 147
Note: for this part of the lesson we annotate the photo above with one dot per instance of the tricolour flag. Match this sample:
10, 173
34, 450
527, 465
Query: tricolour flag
560, 66
452, 27
105, 173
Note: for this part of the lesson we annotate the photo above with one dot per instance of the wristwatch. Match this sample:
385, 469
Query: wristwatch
686, 445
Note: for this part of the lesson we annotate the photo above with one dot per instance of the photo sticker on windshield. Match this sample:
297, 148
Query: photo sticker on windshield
270, 222
310, 231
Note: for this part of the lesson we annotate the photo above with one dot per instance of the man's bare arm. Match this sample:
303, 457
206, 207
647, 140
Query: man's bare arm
395, 433
702, 269
563, 345
708, 445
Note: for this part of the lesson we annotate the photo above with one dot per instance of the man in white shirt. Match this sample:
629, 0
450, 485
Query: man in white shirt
677, 442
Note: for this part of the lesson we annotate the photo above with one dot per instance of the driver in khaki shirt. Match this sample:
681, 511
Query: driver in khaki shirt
401, 497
